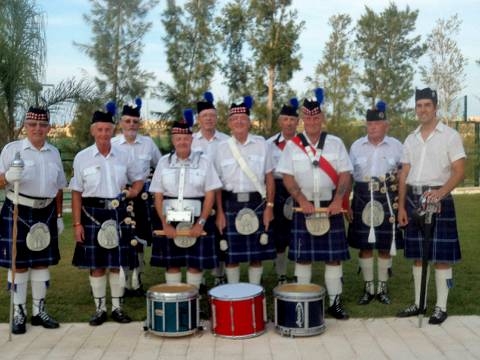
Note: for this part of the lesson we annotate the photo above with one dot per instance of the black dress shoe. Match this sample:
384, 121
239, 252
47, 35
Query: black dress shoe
366, 298
438, 316
412, 310
337, 311
137, 292
19, 325
119, 316
45, 320
382, 294
98, 318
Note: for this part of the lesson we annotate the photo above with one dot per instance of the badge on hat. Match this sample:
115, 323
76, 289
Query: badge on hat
312, 107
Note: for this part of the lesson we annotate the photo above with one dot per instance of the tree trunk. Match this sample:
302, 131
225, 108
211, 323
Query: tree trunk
271, 82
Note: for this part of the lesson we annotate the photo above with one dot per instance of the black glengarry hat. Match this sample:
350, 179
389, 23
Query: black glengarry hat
426, 93
379, 113
133, 111
100, 116
290, 109
205, 104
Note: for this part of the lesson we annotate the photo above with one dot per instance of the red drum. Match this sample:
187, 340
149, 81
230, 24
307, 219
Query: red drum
238, 310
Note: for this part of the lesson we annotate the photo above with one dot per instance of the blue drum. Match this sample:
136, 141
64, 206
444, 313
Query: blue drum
172, 309
299, 309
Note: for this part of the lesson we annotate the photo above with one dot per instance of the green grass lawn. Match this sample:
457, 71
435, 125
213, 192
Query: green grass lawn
69, 299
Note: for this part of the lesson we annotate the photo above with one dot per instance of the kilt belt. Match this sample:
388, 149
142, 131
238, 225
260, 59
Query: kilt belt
30, 201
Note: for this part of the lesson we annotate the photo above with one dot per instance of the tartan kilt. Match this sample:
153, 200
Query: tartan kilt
358, 232
144, 213
445, 246
281, 226
202, 255
26, 258
91, 255
331, 246
246, 248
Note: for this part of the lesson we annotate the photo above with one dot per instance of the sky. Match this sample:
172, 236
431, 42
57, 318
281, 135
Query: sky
65, 25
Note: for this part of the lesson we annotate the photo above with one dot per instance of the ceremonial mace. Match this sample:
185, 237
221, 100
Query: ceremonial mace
18, 163
427, 217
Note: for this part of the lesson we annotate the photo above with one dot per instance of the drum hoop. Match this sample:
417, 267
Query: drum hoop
246, 222
261, 292
35, 244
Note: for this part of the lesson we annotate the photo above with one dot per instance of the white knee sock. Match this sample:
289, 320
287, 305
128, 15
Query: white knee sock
383, 266
116, 290
443, 281
255, 274
366, 265
99, 291
417, 281
39, 281
281, 264
20, 293
233, 274
333, 281
173, 278
194, 279
303, 272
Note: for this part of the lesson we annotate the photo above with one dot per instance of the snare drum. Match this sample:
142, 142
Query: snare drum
172, 309
299, 309
238, 310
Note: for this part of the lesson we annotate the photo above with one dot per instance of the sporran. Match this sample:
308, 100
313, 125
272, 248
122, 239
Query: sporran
246, 222
38, 238
184, 241
288, 208
373, 214
108, 234
317, 224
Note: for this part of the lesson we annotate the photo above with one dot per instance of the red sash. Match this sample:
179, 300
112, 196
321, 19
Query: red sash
324, 165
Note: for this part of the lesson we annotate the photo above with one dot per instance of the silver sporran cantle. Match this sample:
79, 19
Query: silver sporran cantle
288, 208
317, 224
246, 222
184, 241
373, 214
108, 234
38, 238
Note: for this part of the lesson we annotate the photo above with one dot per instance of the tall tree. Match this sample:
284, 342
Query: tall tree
22, 61
446, 66
274, 42
190, 42
389, 52
118, 27
336, 71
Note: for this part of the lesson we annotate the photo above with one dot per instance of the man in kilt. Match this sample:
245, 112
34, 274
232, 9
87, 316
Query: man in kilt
282, 220
375, 158
205, 140
41, 182
146, 153
316, 172
190, 177
102, 229
245, 206
433, 164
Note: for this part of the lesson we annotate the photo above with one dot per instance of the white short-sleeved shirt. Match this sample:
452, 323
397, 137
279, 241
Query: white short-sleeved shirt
199, 178
276, 151
95, 175
431, 160
257, 154
374, 160
207, 147
294, 161
43, 173
143, 150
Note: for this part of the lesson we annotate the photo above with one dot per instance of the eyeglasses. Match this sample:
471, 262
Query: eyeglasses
131, 121
33, 124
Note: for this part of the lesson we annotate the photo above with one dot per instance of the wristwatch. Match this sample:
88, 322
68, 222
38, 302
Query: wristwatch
201, 221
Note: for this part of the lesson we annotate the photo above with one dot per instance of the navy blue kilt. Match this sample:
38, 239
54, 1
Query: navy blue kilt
331, 246
26, 258
144, 213
91, 255
281, 226
202, 255
358, 231
445, 247
245, 248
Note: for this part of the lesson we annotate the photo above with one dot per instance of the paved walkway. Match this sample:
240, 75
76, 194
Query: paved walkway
388, 338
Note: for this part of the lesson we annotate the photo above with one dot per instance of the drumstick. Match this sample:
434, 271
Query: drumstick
317, 210
179, 233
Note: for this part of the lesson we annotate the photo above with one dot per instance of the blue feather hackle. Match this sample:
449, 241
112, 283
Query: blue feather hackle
248, 101
138, 102
208, 96
381, 106
111, 107
294, 103
188, 116
319, 95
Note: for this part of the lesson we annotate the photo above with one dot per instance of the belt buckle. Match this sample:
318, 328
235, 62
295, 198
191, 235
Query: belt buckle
243, 197
417, 189
39, 203
373, 186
